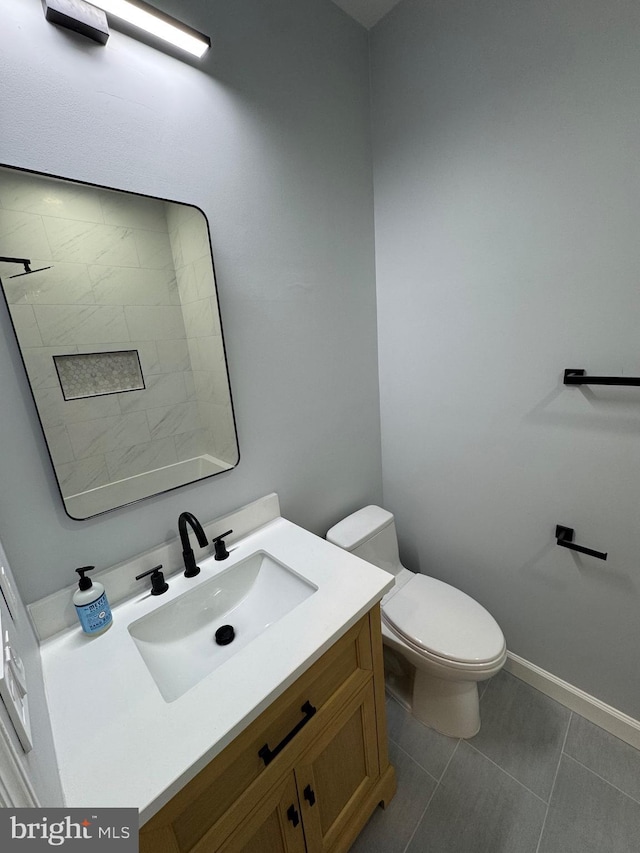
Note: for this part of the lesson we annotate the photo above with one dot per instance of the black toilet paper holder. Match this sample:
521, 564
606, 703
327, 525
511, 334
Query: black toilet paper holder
564, 538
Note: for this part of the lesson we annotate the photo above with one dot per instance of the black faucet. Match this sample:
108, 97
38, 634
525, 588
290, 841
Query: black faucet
190, 568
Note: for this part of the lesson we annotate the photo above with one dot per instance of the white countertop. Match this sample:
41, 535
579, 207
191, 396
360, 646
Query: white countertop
119, 743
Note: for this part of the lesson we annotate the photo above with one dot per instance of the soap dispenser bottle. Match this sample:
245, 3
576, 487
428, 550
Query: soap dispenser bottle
91, 604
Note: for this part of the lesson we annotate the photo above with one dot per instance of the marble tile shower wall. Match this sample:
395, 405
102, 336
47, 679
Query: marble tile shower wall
197, 288
112, 285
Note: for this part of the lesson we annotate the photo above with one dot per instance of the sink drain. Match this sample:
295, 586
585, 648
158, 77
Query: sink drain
225, 635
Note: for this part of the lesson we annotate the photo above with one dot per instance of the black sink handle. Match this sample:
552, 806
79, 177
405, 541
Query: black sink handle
221, 552
158, 583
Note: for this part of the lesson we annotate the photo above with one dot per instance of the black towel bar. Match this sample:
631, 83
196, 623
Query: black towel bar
578, 377
564, 538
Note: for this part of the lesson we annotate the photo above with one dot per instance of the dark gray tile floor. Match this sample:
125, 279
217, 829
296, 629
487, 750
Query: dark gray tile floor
537, 778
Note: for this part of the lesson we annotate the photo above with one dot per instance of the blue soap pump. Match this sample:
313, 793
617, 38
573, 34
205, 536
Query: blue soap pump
91, 604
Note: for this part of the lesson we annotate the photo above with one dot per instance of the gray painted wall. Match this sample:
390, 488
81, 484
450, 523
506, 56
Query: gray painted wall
269, 136
507, 204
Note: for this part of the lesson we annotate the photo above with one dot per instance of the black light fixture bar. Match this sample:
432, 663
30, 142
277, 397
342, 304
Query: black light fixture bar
79, 16
579, 377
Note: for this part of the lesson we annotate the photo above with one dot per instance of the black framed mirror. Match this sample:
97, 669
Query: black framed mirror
112, 297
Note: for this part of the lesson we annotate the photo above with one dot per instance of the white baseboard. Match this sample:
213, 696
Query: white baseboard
608, 718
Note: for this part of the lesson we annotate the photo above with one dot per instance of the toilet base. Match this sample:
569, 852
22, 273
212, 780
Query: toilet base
398, 677
450, 707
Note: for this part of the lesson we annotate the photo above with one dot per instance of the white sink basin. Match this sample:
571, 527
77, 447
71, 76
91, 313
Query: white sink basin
177, 640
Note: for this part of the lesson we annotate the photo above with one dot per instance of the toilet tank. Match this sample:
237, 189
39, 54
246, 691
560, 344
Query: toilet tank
369, 533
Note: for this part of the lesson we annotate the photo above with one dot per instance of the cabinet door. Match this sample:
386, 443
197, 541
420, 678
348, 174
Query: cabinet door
338, 773
274, 827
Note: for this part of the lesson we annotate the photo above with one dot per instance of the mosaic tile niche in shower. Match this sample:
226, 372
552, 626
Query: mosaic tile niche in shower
95, 373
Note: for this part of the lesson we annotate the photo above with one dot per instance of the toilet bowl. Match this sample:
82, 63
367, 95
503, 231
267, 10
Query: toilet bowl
439, 642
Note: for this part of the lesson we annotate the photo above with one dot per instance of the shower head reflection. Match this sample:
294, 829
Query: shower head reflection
27, 270
26, 263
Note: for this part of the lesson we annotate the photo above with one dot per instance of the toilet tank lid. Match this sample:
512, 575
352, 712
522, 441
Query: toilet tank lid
353, 530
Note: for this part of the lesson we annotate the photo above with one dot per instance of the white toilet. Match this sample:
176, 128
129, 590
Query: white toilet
439, 642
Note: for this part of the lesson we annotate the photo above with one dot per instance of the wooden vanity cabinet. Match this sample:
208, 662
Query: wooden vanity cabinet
318, 790
273, 827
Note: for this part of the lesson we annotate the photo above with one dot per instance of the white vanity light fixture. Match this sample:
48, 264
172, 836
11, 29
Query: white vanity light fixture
145, 17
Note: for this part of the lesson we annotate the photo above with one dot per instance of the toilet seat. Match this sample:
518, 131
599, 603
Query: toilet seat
443, 623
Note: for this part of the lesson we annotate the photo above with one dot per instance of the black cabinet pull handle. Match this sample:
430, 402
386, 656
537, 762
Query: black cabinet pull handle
267, 755
293, 815
309, 795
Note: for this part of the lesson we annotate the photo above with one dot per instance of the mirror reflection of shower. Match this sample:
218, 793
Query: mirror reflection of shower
113, 300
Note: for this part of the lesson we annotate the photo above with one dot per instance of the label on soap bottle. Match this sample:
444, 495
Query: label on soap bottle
95, 616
